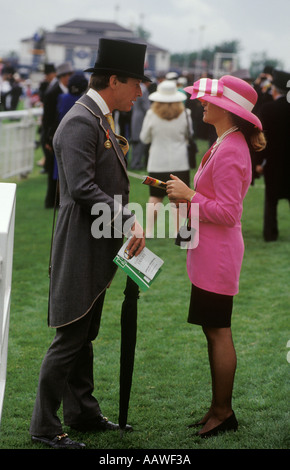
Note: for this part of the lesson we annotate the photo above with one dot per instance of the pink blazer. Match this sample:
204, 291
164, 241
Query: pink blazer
221, 185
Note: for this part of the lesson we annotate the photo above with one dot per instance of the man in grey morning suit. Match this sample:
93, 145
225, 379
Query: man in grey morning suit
92, 170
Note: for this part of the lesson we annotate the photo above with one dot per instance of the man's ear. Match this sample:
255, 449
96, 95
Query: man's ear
113, 81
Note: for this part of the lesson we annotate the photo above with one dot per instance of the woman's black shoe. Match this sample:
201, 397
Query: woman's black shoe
230, 424
196, 425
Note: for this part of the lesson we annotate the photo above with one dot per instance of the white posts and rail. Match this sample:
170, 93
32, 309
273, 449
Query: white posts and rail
17, 141
7, 221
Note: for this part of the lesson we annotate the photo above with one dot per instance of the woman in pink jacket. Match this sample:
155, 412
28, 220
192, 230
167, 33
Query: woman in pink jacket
214, 265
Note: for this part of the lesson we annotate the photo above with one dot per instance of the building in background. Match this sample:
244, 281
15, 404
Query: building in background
77, 42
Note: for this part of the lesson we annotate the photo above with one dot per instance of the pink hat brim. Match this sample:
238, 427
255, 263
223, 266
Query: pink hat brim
228, 105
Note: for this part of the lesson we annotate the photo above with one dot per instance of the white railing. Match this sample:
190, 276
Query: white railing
17, 141
7, 220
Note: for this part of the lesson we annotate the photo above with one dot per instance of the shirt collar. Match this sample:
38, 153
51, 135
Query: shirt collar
63, 87
99, 100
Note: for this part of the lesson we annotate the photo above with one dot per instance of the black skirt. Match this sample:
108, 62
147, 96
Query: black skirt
210, 309
165, 176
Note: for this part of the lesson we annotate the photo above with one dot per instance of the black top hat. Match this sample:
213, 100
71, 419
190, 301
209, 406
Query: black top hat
49, 68
281, 79
8, 70
119, 57
268, 69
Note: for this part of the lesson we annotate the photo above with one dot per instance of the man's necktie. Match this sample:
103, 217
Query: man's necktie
122, 141
110, 120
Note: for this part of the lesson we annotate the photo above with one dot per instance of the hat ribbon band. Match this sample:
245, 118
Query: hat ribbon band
206, 86
238, 99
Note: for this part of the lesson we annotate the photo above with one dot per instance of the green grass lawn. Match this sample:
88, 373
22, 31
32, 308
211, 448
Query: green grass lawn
171, 383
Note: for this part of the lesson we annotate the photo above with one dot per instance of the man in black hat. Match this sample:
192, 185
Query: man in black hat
92, 174
48, 81
49, 125
49, 77
274, 160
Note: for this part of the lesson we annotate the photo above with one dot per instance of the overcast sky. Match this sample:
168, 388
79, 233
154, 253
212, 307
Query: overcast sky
261, 26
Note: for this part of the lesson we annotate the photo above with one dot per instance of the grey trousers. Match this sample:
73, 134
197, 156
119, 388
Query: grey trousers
66, 376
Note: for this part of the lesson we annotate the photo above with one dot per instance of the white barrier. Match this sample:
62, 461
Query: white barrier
7, 220
17, 137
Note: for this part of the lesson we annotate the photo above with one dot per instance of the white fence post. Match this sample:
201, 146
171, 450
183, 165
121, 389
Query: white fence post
7, 220
17, 141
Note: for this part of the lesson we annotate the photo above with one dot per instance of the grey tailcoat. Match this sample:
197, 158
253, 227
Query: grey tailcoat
82, 265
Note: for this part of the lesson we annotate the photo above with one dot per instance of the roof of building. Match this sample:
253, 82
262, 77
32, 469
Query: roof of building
88, 32
91, 26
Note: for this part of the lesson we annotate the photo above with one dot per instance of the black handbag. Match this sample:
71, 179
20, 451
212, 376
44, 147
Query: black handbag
185, 236
191, 146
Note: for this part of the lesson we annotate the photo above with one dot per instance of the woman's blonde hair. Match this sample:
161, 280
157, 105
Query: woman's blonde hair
168, 111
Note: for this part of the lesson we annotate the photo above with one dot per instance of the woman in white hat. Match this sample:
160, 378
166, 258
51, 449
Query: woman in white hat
165, 128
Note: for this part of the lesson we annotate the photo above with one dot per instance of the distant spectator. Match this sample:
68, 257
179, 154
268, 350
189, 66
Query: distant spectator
139, 149
10, 90
49, 125
49, 79
274, 160
77, 85
165, 128
262, 85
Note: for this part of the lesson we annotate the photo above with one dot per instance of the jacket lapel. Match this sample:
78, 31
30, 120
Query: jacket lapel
94, 109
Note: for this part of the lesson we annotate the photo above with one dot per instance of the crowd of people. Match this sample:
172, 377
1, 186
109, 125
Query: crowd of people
10, 88
271, 86
246, 125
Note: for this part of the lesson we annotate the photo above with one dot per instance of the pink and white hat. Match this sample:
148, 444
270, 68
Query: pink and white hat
230, 93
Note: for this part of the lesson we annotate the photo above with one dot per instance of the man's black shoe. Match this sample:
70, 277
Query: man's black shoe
100, 423
59, 442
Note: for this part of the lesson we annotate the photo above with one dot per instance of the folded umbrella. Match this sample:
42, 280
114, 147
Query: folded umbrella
128, 345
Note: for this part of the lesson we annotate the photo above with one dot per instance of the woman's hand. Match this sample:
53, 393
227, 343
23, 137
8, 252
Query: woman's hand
178, 191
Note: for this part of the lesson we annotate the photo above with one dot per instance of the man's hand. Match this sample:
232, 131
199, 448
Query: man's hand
259, 169
137, 241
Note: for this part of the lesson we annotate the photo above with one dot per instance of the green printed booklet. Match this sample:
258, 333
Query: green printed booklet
143, 268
